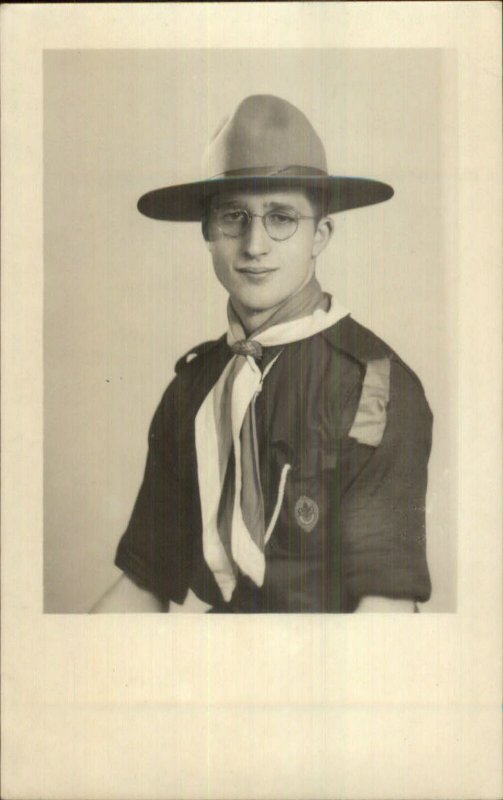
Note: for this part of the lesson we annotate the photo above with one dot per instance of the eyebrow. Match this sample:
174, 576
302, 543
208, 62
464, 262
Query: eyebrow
272, 206
226, 204
284, 206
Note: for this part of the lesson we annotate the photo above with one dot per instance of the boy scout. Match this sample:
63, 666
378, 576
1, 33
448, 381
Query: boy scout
287, 462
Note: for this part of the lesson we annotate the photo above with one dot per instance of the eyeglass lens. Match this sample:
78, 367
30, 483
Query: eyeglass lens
279, 225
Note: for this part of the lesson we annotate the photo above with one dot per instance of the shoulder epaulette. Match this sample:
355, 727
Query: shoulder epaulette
356, 341
195, 352
363, 346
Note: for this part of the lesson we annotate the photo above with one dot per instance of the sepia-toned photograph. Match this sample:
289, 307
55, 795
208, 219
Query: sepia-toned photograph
249, 366
251, 401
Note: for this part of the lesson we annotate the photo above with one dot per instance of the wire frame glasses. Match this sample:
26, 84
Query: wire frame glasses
280, 225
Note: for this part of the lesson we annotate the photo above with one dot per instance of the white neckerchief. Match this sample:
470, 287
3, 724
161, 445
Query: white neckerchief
218, 424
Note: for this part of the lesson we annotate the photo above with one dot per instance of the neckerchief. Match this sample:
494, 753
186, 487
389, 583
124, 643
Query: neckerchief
232, 507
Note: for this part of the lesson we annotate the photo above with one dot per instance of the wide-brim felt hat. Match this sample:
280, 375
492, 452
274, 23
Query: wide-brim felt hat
266, 145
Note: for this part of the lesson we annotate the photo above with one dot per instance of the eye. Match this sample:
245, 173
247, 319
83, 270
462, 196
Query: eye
233, 215
280, 218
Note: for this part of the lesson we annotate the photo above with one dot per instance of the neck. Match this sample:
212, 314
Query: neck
252, 319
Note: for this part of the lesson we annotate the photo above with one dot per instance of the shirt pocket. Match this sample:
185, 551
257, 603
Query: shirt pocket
303, 528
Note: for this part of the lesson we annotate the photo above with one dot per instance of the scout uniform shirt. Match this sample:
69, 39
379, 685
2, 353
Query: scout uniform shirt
351, 423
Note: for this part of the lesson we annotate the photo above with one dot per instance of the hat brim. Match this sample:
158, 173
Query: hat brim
185, 202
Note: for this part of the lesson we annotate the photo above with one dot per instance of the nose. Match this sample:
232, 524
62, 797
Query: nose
256, 241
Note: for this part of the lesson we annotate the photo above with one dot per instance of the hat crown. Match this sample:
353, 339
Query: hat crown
266, 145
264, 133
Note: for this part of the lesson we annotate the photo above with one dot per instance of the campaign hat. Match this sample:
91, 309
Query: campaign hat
267, 144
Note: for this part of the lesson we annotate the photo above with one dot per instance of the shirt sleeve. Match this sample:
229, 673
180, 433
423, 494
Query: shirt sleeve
382, 506
152, 550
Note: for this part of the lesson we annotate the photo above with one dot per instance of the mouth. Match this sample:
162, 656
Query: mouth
256, 271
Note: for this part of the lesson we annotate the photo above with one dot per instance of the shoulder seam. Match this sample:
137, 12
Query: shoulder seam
340, 337
341, 330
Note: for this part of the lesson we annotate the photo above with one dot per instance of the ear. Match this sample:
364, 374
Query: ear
208, 240
208, 234
322, 235
204, 229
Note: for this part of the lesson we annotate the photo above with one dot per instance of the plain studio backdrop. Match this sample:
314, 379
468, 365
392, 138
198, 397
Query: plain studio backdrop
126, 296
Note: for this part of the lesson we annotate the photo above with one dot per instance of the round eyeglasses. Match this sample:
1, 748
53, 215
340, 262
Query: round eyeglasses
234, 222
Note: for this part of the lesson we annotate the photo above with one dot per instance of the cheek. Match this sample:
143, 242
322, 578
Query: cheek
222, 261
299, 260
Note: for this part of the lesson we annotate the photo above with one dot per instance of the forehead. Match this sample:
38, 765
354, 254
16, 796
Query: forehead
262, 201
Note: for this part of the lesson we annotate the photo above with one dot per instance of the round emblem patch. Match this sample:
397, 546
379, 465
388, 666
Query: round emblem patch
307, 513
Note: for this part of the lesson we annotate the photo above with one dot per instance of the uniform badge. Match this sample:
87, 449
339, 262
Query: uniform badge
307, 513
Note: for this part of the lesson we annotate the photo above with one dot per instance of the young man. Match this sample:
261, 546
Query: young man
287, 462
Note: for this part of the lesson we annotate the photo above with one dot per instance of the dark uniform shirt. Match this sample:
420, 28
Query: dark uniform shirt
352, 519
